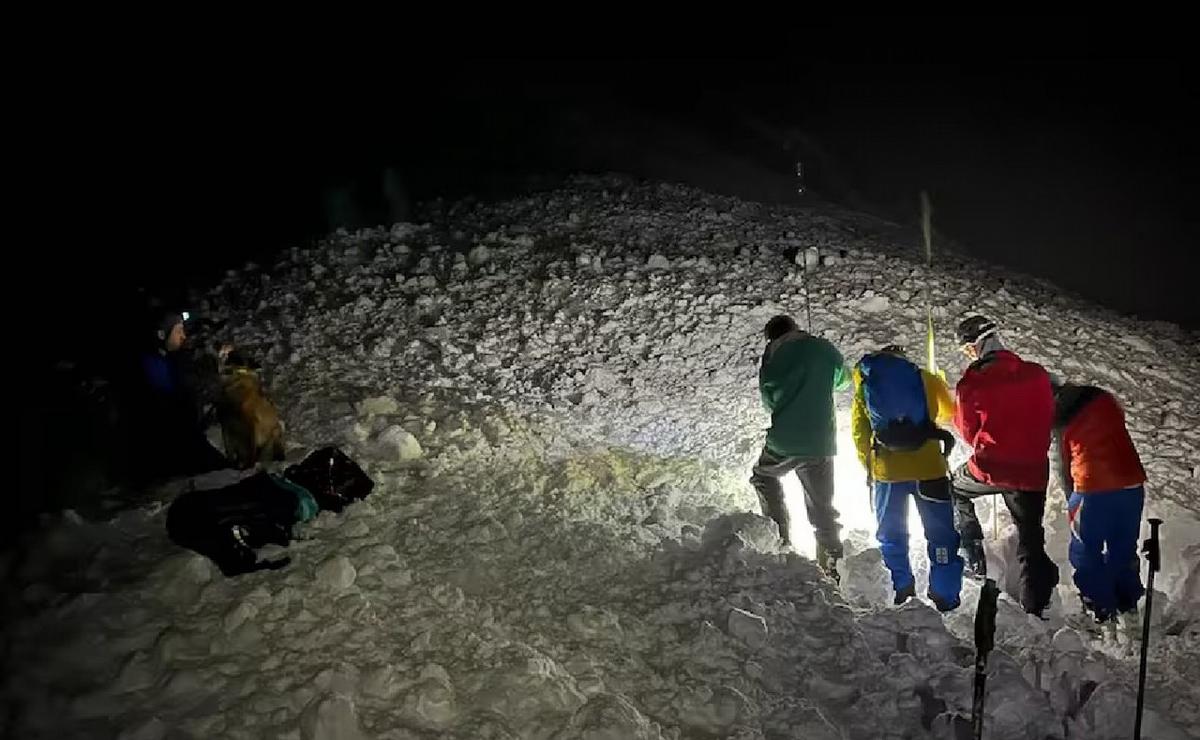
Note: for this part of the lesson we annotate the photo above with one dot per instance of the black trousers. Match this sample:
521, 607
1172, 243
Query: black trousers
1038, 573
816, 477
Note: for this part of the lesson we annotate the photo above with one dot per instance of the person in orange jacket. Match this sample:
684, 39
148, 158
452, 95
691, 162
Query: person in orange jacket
1102, 475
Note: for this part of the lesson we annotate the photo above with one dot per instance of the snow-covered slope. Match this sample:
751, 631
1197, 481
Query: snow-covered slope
557, 398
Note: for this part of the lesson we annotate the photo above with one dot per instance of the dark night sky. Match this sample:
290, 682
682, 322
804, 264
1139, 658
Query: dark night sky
1076, 168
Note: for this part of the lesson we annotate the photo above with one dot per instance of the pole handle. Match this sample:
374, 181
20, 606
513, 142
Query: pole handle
1151, 546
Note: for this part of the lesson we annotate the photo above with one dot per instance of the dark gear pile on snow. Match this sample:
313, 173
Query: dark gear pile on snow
227, 525
332, 477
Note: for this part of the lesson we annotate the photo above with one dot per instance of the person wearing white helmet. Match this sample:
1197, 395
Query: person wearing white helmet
1004, 412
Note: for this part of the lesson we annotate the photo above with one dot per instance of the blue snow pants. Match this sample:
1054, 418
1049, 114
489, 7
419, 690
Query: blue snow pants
937, 517
1103, 551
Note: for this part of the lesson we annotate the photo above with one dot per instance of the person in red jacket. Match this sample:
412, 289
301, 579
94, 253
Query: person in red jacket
1005, 411
1102, 475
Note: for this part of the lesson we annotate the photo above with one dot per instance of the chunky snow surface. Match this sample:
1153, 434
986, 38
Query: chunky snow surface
557, 398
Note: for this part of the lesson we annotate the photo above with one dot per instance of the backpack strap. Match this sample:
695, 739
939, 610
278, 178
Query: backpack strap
945, 440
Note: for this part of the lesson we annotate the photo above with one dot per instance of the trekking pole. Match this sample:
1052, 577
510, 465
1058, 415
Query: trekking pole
804, 256
927, 230
1154, 560
804, 290
985, 640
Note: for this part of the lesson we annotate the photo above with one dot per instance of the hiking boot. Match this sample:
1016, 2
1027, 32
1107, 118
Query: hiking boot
974, 560
827, 560
904, 594
942, 605
1101, 626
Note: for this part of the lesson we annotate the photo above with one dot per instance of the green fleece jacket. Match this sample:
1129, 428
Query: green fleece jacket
797, 378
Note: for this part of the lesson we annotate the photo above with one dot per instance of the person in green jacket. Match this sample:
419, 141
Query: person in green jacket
797, 378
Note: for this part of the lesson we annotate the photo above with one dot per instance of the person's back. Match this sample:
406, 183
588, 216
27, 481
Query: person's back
891, 465
796, 380
892, 393
798, 375
1102, 476
1091, 436
1005, 413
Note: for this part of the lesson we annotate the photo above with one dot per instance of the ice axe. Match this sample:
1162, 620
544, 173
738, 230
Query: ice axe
1154, 560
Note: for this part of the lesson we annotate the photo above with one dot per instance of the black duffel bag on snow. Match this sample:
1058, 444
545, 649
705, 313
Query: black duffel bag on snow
227, 525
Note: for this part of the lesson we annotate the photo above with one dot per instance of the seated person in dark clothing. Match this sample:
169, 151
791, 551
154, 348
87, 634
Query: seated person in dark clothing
169, 437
